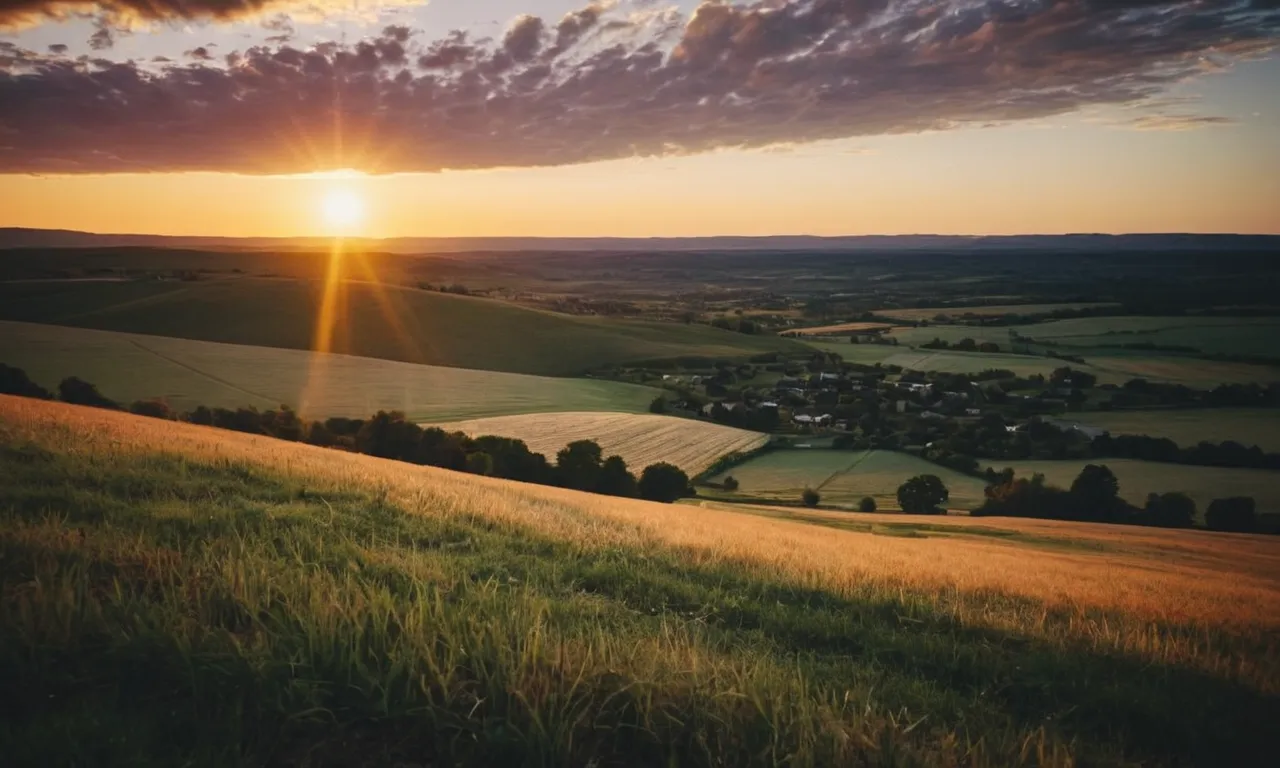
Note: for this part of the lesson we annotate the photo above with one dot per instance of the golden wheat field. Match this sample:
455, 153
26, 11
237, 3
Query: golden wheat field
1110, 595
640, 439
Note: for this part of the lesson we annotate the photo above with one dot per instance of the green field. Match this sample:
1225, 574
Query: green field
843, 478
1248, 426
1138, 478
391, 322
928, 313
128, 367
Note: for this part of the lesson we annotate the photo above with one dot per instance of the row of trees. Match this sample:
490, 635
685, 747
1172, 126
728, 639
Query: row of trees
581, 465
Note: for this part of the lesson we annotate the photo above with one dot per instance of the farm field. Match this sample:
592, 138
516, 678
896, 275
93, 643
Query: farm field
928, 313
1248, 426
1138, 478
201, 580
128, 367
844, 477
388, 322
640, 439
839, 328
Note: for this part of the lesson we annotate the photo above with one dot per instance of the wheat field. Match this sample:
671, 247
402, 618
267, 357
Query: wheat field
1196, 577
640, 439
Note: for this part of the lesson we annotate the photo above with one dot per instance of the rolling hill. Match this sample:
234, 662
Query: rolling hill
177, 595
388, 322
185, 373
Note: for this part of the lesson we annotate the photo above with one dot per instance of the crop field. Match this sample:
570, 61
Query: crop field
1138, 478
640, 439
1248, 426
929, 313
128, 367
388, 322
844, 477
973, 362
226, 598
839, 328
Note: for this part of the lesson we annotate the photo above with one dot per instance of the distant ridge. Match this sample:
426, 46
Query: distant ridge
16, 237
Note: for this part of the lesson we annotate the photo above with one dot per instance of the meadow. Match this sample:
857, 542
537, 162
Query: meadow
177, 595
640, 439
995, 310
383, 321
843, 478
838, 328
1188, 427
128, 367
1139, 478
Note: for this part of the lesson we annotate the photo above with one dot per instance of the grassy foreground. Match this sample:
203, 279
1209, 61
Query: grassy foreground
176, 595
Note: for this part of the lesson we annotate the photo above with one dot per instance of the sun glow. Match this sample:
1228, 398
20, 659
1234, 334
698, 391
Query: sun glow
343, 211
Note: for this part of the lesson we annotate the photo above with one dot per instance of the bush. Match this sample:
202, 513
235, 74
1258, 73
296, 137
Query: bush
156, 409
663, 482
659, 405
923, 495
14, 381
1238, 514
80, 392
810, 497
480, 463
1170, 510
615, 480
867, 504
730, 483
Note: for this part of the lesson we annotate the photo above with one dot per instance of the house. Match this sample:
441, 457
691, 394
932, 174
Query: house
802, 418
972, 411
900, 406
768, 404
1086, 430
932, 416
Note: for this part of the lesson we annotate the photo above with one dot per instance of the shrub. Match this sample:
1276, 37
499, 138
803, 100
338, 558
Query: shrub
730, 483
14, 381
156, 409
659, 405
80, 392
1238, 514
480, 463
1170, 510
663, 482
923, 495
810, 497
867, 504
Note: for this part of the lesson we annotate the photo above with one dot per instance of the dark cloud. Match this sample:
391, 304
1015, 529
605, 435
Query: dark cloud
600, 85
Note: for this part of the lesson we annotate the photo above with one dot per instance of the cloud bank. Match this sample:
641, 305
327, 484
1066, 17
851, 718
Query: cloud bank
606, 83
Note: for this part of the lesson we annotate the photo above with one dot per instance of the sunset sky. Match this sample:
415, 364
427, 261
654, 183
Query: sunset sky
640, 117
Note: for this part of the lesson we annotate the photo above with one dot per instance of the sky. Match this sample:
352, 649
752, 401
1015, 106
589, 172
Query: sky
637, 118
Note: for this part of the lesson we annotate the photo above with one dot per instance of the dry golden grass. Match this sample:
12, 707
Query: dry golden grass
1183, 578
640, 439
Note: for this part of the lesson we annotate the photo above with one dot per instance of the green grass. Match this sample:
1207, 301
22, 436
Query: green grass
393, 323
1249, 426
1138, 478
128, 367
843, 478
158, 611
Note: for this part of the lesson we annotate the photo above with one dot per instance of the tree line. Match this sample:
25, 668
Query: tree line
579, 466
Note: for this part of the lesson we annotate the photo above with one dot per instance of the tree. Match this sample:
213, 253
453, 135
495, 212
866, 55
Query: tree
319, 434
1238, 514
730, 483
659, 405
579, 465
867, 504
615, 480
663, 482
923, 495
1170, 510
156, 409
1095, 494
79, 392
480, 463
14, 381
810, 497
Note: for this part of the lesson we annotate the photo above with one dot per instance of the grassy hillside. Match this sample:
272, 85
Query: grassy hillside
177, 595
128, 367
640, 439
390, 322
1138, 478
845, 477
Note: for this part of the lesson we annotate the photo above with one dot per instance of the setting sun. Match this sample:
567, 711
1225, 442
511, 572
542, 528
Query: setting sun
342, 211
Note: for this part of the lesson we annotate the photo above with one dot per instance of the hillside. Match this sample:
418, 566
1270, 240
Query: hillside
128, 367
641, 440
389, 322
173, 594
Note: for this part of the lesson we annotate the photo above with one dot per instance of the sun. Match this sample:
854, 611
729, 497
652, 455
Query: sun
342, 211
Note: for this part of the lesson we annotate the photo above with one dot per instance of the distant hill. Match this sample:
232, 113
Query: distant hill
388, 322
57, 238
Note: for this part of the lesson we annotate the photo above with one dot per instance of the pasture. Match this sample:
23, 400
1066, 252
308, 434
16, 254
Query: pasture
1139, 478
222, 597
838, 329
371, 320
843, 478
128, 367
995, 310
640, 439
1248, 426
